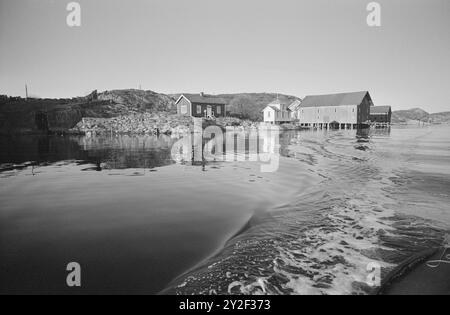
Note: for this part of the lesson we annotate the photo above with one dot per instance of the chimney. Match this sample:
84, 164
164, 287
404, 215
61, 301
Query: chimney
202, 94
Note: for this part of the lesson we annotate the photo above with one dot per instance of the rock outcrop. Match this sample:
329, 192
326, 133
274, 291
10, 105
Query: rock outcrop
146, 123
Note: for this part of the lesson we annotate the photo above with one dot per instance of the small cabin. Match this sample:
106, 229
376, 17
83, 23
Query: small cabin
201, 105
277, 112
381, 114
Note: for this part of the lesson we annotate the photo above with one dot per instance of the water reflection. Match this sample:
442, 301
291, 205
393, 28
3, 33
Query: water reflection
149, 152
113, 152
381, 132
133, 151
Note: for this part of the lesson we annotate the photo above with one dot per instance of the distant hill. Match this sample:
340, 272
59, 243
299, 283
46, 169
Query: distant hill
250, 105
412, 116
405, 116
440, 118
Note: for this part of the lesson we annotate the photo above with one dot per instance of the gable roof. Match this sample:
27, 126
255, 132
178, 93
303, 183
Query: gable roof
205, 99
340, 99
380, 109
274, 107
271, 107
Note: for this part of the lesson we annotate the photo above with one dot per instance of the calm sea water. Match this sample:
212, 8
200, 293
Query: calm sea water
137, 222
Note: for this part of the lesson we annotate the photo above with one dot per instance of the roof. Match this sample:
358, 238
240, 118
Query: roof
380, 109
203, 99
354, 98
272, 107
294, 105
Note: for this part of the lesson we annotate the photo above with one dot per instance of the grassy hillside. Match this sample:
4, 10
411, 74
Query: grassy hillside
139, 100
250, 105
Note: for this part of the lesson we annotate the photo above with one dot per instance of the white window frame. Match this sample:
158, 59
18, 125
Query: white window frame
199, 109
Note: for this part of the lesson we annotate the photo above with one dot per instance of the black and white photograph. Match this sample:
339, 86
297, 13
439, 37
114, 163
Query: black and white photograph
221, 154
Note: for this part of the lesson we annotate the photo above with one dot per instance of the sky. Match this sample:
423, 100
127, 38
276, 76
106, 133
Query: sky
292, 47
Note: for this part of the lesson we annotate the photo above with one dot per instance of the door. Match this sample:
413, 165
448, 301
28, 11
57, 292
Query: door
209, 111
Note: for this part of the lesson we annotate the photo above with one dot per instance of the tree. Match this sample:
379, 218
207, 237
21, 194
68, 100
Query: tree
245, 108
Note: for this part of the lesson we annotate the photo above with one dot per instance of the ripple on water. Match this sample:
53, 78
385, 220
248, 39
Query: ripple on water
323, 241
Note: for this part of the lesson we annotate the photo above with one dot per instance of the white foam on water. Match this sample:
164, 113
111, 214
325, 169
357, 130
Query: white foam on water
336, 258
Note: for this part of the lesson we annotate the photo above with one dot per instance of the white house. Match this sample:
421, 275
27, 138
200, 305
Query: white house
277, 112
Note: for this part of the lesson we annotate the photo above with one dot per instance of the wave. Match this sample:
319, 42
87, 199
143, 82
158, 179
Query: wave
326, 240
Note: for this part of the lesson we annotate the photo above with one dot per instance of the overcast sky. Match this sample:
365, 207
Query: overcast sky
287, 46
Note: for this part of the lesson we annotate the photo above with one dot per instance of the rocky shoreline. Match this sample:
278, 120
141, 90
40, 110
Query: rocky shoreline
155, 123
149, 123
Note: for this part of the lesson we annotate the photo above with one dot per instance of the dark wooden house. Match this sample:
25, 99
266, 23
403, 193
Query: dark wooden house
381, 114
201, 105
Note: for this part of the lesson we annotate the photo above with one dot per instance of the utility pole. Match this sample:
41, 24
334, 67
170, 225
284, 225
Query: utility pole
26, 92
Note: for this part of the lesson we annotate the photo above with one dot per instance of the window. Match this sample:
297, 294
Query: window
199, 109
268, 114
183, 109
219, 110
